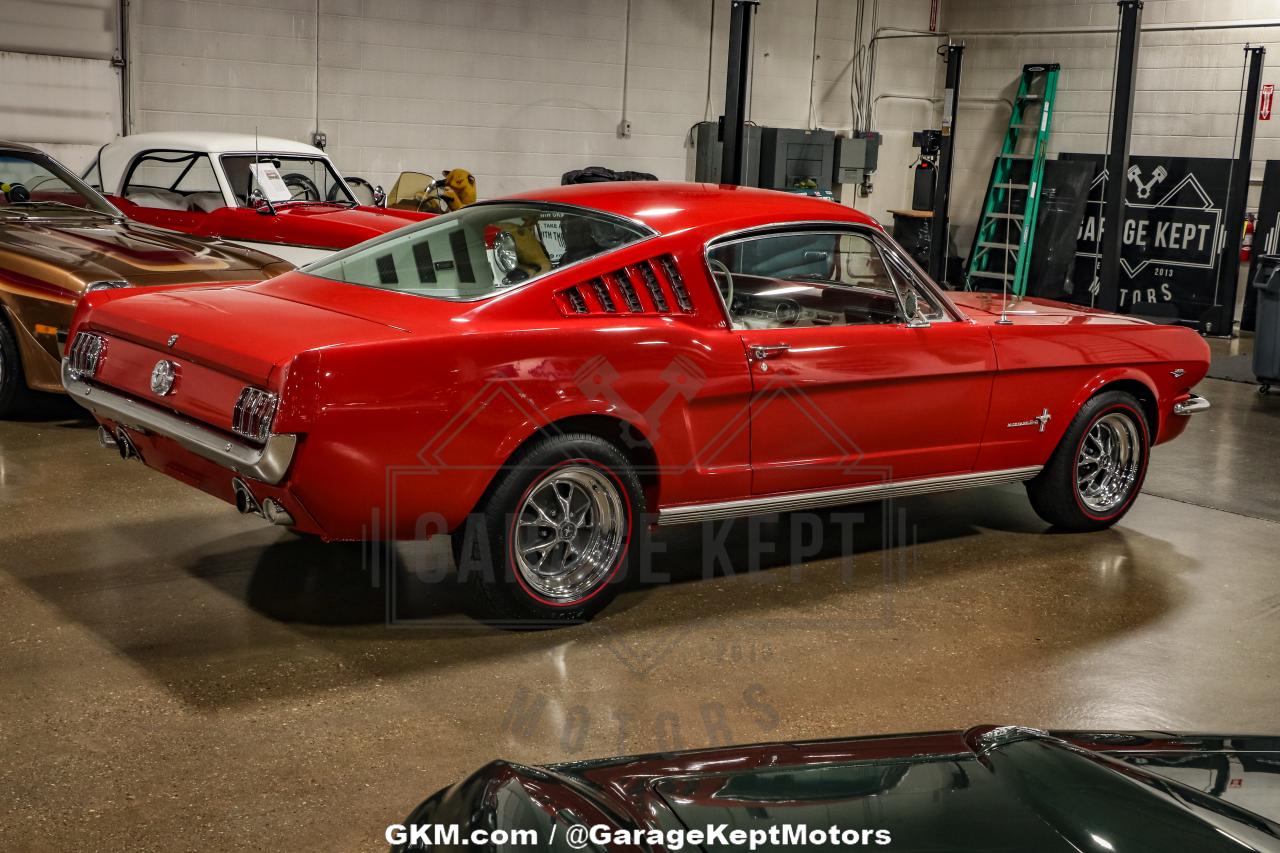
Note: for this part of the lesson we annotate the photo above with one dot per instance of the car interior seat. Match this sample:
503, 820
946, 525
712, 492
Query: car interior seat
205, 202
152, 197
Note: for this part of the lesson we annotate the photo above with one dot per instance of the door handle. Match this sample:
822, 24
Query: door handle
760, 352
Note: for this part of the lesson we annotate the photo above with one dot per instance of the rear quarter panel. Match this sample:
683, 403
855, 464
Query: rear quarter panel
408, 434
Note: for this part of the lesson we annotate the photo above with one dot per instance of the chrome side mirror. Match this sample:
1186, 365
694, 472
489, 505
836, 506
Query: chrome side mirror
911, 307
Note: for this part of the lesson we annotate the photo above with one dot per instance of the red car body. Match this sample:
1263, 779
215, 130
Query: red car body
321, 228
399, 408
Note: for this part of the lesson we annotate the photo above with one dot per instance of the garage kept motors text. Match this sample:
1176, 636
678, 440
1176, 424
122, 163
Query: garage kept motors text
1170, 244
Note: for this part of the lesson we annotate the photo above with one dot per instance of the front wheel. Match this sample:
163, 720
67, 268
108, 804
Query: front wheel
551, 540
1097, 469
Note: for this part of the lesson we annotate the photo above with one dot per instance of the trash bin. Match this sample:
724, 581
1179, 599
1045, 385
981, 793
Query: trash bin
1266, 346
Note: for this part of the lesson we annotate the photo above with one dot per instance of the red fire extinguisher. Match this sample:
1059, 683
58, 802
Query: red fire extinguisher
1246, 245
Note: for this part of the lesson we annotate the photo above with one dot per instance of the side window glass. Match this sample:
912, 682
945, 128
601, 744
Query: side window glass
862, 265
804, 280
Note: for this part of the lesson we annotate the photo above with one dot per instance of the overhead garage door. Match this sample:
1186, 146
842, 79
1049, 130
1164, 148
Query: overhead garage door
61, 90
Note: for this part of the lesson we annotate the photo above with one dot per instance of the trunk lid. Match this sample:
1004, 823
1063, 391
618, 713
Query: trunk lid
242, 330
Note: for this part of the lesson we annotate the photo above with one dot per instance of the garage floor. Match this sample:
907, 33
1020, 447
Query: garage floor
176, 677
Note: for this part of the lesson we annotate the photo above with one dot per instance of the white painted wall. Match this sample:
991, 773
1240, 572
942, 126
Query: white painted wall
517, 91
58, 89
1188, 83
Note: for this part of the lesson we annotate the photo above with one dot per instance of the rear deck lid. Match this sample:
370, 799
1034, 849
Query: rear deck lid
241, 331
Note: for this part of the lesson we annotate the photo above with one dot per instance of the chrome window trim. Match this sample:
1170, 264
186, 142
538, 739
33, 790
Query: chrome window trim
649, 235
792, 501
268, 463
879, 239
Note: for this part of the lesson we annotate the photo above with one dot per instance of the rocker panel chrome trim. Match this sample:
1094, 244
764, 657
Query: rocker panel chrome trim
837, 497
267, 464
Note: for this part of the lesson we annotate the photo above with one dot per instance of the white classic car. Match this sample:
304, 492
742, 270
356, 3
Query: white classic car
275, 195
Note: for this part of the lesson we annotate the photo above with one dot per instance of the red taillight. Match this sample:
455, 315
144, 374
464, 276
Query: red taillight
86, 353
254, 412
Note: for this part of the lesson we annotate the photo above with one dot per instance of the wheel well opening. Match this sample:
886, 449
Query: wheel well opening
1144, 395
632, 443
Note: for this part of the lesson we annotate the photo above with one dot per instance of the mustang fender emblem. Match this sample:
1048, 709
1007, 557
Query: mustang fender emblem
173, 339
1042, 419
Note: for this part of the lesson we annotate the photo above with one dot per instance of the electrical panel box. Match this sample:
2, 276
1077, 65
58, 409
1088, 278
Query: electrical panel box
792, 158
708, 150
856, 157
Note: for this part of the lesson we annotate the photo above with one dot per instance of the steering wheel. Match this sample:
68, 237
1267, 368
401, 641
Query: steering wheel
358, 186
301, 188
15, 193
718, 266
787, 312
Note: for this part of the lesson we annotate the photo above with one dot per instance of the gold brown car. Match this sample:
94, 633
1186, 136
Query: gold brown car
59, 239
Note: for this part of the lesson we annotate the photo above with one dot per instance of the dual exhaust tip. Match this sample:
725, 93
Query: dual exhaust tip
119, 441
270, 509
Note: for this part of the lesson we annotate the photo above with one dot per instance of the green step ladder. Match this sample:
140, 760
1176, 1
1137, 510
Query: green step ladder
1001, 253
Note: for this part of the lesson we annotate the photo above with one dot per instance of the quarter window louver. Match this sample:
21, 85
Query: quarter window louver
254, 412
576, 300
651, 284
603, 294
628, 290
86, 353
677, 283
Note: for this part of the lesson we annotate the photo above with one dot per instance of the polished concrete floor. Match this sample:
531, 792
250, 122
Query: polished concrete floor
175, 677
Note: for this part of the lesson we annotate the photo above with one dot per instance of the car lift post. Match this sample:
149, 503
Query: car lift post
1237, 192
1113, 211
942, 194
733, 130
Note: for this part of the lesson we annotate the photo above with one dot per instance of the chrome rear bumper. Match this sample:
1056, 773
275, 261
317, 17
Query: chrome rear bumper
268, 463
1191, 405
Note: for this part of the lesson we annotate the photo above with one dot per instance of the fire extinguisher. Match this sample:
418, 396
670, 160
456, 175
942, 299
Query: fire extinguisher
1246, 245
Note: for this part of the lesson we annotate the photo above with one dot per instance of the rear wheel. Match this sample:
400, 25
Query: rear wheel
14, 394
1097, 469
551, 540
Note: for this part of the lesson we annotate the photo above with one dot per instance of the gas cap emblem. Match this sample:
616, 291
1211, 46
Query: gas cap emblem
162, 376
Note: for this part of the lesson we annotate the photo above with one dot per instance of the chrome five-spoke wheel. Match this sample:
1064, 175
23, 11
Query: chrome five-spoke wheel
1109, 462
569, 532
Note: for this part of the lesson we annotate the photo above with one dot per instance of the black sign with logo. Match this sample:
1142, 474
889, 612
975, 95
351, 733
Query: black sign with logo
1173, 233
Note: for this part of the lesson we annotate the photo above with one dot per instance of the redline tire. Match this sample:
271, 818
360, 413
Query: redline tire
552, 539
1097, 470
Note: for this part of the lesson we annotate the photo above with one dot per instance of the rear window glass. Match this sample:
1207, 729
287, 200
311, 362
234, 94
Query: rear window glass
479, 250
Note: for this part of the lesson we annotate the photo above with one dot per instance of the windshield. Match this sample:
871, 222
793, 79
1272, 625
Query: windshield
479, 250
33, 184
305, 178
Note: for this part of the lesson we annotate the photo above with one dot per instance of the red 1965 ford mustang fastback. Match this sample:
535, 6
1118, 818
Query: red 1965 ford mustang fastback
547, 375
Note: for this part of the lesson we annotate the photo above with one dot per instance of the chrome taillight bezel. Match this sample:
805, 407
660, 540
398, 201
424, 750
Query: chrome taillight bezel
86, 354
254, 413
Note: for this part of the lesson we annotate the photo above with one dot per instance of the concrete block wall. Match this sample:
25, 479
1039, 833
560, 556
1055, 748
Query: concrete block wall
1188, 84
517, 91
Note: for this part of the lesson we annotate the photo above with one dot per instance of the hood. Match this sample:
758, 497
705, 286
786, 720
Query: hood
984, 306
65, 255
988, 788
319, 225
